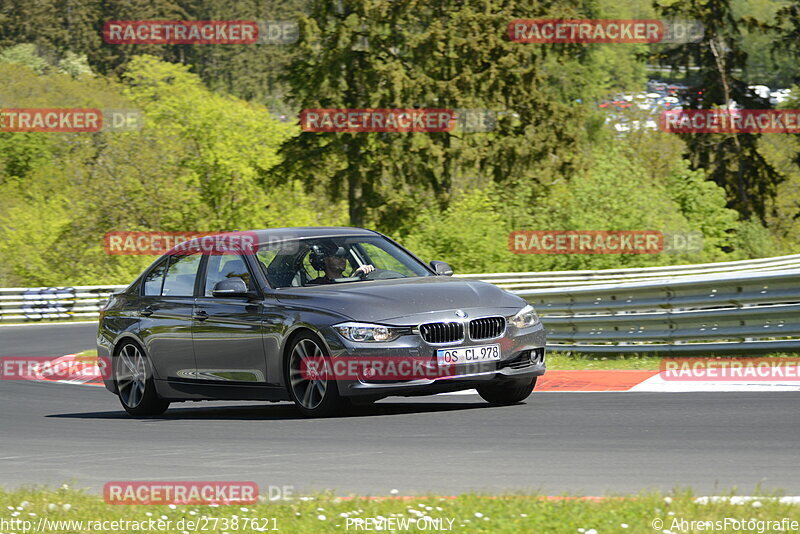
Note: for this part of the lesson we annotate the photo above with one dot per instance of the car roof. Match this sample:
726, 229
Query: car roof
277, 235
301, 232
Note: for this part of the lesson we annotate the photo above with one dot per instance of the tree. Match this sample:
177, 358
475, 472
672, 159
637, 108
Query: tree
449, 54
24, 54
731, 160
200, 163
75, 26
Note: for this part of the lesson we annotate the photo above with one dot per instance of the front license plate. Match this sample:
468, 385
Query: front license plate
483, 353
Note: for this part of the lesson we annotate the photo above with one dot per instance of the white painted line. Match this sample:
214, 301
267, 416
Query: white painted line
70, 382
656, 384
743, 499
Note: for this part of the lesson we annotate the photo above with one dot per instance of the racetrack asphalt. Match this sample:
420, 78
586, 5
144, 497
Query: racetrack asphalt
581, 443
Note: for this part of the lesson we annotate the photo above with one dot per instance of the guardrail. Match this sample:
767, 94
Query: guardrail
53, 303
748, 306
721, 313
531, 280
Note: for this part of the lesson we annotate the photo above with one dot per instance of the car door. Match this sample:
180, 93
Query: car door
166, 308
226, 331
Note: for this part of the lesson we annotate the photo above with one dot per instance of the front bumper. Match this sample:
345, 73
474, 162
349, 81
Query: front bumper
515, 365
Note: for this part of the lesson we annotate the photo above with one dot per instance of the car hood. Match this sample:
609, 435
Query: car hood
385, 300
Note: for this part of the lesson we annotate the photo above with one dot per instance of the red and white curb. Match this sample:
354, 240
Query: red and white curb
657, 384
595, 380
90, 376
587, 381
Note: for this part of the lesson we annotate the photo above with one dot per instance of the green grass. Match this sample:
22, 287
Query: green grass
469, 513
570, 361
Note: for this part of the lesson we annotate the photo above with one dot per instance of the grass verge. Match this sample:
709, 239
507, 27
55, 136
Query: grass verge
576, 361
651, 512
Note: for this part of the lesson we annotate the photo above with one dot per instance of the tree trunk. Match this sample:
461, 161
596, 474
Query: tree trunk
355, 199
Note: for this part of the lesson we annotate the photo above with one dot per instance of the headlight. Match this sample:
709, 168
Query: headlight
367, 332
525, 317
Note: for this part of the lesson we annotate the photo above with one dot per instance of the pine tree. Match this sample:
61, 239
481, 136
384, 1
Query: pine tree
421, 54
731, 160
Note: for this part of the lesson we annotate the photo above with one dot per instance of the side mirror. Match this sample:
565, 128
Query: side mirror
230, 287
441, 268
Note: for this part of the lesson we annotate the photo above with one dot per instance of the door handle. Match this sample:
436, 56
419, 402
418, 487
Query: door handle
147, 311
200, 316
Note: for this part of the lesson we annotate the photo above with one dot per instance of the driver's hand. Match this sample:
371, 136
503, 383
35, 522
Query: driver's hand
364, 270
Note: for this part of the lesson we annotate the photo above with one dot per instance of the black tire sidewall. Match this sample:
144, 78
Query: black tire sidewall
505, 394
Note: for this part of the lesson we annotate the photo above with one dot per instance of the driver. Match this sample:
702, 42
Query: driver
333, 261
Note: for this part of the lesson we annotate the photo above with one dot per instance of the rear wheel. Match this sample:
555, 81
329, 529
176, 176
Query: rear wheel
505, 394
134, 381
315, 394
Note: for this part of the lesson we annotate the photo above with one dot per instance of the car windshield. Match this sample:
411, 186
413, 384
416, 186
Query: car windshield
335, 260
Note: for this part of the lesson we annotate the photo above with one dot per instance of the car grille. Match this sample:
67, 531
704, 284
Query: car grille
441, 332
486, 327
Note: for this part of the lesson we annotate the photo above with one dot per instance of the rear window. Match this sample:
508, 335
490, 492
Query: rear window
181, 275
155, 279
223, 266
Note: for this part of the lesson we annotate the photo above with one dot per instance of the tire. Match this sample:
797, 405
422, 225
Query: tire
505, 395
133, 378
313, 398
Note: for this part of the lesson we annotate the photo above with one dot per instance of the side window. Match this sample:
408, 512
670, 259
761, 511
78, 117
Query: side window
155, 279
277, 265
181, 275
222, 266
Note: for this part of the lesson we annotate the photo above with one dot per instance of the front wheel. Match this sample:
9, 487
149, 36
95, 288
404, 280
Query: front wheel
316, 394
134, 381
506, 394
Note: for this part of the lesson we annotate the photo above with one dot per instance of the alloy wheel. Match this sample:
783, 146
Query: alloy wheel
307, 374
131, 375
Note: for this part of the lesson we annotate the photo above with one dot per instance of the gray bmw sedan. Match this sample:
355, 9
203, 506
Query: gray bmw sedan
324, 317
